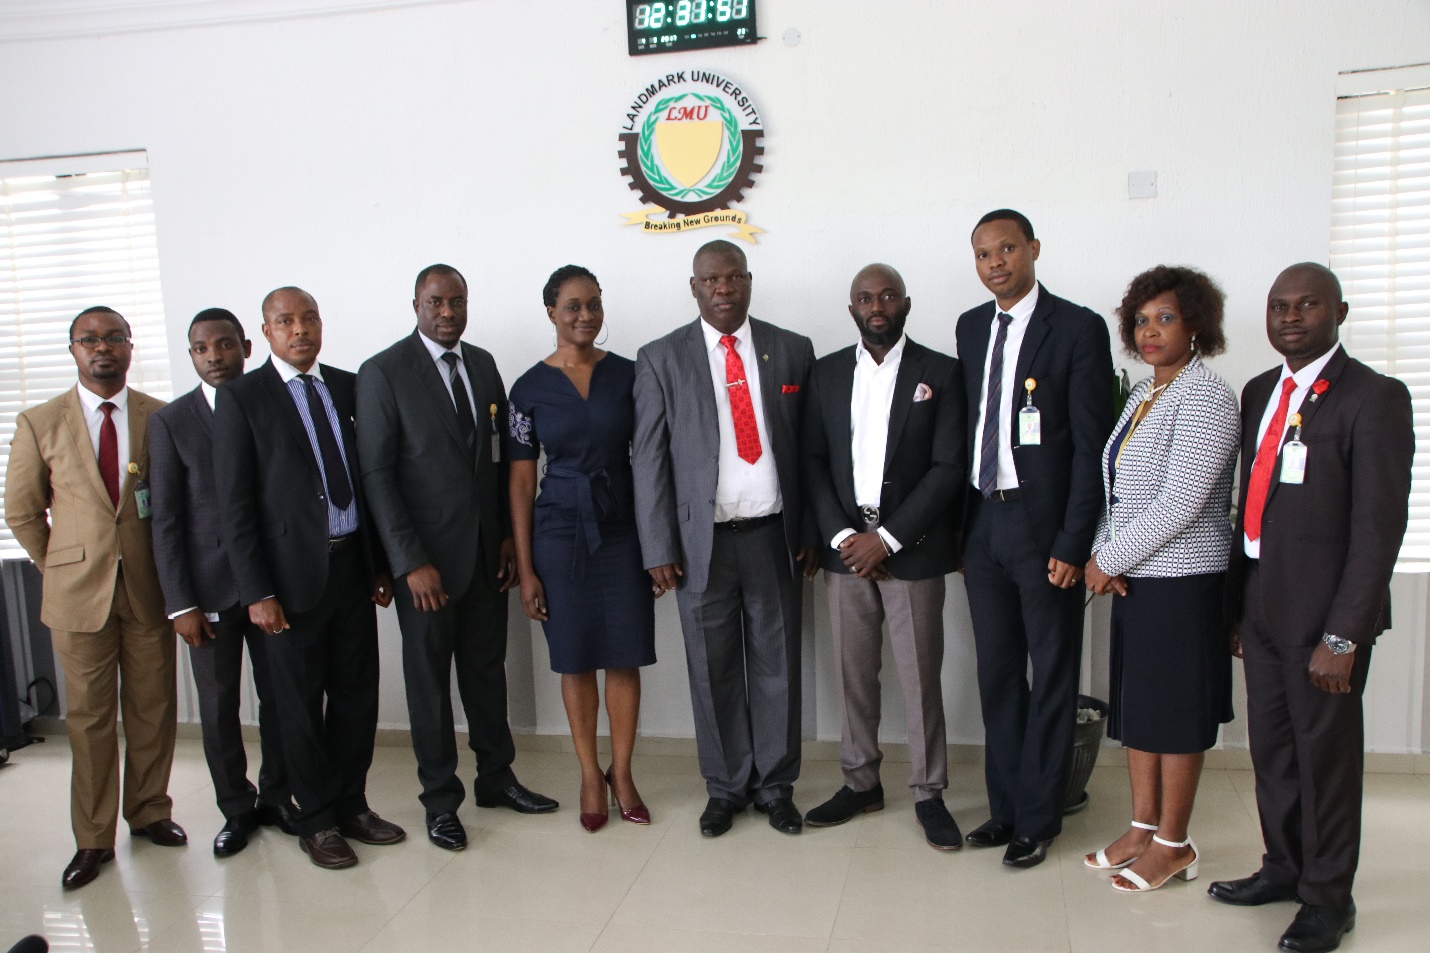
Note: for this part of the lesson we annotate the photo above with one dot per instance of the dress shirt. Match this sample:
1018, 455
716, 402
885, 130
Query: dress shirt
210, 394
1304, 378
869, 406
1022, 314
742, 490
437, 350
89, 402
340, 522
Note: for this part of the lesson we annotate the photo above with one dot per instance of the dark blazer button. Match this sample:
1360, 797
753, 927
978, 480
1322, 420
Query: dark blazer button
711, 502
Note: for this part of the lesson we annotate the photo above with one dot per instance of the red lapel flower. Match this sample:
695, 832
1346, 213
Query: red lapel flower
1319, 388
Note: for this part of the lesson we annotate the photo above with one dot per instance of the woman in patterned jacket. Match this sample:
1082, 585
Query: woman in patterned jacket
1162, 547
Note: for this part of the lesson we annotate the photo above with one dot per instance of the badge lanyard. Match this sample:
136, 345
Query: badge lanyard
1030, 422
496, 438
1293, 455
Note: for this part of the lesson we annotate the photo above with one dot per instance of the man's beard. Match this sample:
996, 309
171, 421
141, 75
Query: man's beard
890, 336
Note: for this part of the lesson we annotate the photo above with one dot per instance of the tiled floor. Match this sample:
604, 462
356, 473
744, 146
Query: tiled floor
542, 884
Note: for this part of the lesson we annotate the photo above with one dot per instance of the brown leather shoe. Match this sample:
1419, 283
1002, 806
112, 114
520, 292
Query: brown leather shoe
85, 866
327, 849
165, 833
368, 828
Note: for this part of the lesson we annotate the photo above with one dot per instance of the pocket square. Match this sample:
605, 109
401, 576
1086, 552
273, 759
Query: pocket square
789, 388
922, 392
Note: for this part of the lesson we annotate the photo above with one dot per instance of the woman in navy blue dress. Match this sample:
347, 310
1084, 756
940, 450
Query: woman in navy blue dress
578, 555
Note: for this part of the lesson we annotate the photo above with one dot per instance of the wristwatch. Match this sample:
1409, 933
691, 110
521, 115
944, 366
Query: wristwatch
1338, 645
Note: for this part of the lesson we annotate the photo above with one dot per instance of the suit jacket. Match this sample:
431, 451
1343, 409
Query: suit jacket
1066, 349
430, 501
925, 460
1328, 545
676, 451
188, 534
271, 493
79, 542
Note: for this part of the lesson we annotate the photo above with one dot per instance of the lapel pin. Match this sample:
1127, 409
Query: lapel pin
133, 467
765, 356
1319, 388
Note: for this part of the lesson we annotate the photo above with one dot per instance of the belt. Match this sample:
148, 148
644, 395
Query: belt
595, 500
870, 515
745, 525
1004, 496
337, 544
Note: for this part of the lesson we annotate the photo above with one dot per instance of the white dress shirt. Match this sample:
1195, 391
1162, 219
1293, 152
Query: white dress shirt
743, 490
340, 522
437, 350
1304, 378
1022, 314
869, 406
210, 394
89, 402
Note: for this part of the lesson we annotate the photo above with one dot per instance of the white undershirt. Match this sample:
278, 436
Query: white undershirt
869, 407
1022, 314
743, 490
437, 350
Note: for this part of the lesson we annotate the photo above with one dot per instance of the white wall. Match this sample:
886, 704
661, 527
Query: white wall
344, 152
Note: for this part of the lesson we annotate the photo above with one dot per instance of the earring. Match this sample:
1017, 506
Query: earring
605, 326
1194, 342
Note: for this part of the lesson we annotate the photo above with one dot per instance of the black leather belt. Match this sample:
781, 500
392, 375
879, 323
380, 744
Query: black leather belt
745, 525
1004, 496
869, 514
337, 544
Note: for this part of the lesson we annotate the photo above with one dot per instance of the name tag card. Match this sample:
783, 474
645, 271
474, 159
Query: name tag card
1030, 427
1293, 462
141, 499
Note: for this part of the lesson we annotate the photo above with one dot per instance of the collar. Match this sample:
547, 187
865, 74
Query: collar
437, 350
712, 336
288, 371
1307, 375
1024, 309
90, 401
891, 359
210, 393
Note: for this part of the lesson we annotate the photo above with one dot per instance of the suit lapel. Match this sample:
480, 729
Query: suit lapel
769, 381
911, 369
79, 430
138, 434
272, 383
697, 369
486, 416
203, 413
430, 377
841, 435
1038, 327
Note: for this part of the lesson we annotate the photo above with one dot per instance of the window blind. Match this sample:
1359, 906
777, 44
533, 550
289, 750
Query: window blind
1380, 249
69, 240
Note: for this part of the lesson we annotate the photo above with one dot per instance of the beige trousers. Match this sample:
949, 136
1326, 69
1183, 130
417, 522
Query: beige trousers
128, 667
913, 609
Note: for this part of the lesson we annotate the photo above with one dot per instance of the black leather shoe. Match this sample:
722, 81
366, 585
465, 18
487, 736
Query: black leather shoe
940, 829
784, 816
846, 803
234, 836
276, 815
1024, 852
1251, 891
519, 799
84, 867
164, 832
1318, 929
990, 834
446, 831
719, 814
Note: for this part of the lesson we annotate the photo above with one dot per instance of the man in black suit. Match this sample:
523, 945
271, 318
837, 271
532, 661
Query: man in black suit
309, 569
200, 594
1327, 445
428, 410
885, 464
1039, 385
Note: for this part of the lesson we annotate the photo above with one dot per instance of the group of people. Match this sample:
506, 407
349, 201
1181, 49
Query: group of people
276, 508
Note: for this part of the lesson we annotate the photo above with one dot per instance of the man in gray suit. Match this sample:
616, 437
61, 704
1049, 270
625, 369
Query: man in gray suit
718, 506
427, 411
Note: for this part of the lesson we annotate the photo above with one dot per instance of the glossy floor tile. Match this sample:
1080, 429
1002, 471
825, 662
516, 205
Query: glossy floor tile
541, 884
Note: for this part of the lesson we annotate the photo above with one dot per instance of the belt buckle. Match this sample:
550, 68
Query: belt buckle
870, 514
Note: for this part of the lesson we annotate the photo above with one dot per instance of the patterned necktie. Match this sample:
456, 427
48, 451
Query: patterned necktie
109, 453
340, 491
993, 411
1260, 484
466, 423
742, 410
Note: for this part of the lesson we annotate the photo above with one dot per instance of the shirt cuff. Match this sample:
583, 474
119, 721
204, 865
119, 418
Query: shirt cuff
889, 540
175, 615
840, 537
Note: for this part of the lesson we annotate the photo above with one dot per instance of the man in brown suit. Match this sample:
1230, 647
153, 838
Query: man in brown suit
76, 499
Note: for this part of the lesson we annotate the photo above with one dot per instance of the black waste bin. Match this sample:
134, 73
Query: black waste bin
1087, 738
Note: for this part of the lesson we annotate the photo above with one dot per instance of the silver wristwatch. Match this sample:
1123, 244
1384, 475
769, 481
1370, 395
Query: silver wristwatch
1338, 645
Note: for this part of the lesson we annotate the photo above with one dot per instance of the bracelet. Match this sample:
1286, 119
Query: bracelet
885, 542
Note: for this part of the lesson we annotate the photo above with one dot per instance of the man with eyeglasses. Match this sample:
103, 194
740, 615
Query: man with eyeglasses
77, 499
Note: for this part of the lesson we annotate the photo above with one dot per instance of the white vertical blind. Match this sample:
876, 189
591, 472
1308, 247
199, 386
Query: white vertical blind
70, 240
1380, 248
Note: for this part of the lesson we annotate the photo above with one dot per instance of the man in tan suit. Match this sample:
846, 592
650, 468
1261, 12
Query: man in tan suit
83, 457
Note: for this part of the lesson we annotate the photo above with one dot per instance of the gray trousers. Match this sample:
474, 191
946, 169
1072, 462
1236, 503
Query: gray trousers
742, 649
914, 611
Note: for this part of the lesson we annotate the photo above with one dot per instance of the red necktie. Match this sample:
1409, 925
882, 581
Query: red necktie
1260, 484
109, 453
742, 411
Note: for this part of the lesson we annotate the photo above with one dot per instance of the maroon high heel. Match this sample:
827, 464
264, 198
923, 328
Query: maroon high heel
639, 814
594, 822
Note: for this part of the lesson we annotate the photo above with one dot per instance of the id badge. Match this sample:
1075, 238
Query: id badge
1030, 427
141, 499
496, 448
1293, 462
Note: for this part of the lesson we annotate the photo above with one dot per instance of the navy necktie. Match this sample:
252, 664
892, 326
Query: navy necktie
993, 411
340, 491
466, 423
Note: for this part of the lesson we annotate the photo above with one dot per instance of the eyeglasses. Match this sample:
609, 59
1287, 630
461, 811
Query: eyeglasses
92, 341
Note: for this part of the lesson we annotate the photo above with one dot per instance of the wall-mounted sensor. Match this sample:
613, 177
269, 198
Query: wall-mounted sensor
1141, 185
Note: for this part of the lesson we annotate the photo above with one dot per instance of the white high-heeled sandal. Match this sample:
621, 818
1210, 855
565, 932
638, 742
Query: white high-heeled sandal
1101, 856
1140, 884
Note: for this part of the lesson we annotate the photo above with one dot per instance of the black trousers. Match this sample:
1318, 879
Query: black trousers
469, 631
325, 674
218, 672
1308, 752
1018, 617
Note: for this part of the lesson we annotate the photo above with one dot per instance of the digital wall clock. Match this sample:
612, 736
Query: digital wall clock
688, 25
